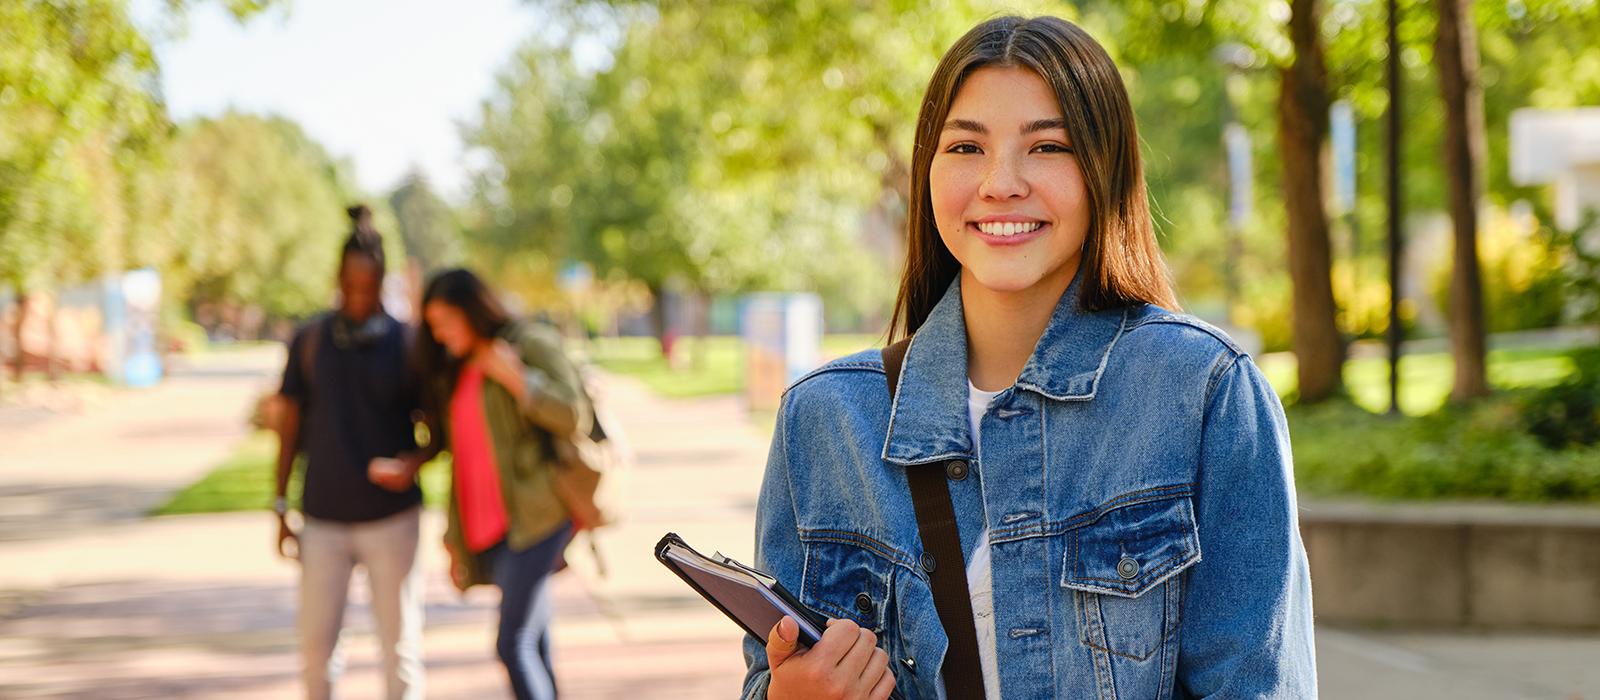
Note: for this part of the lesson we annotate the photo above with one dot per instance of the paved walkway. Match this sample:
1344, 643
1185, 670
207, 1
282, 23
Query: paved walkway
99, 602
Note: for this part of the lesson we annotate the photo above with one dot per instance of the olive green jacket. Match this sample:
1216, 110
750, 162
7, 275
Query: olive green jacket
522, 448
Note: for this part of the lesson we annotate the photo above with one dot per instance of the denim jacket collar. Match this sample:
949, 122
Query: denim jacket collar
928, 419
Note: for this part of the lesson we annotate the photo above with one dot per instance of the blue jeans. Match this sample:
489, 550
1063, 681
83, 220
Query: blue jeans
524, 641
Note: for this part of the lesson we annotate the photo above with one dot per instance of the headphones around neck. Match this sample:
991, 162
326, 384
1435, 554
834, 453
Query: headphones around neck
350, 335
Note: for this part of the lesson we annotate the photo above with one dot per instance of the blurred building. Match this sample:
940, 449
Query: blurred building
1560, 148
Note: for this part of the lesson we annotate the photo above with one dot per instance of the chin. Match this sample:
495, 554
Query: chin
1005, 281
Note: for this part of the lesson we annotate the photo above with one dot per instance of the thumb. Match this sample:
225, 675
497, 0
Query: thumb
782, 641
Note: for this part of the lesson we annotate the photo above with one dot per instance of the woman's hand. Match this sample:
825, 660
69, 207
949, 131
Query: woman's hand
845, 664
500, 363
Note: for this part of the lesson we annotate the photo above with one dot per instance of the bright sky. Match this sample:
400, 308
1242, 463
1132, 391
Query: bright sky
384, 83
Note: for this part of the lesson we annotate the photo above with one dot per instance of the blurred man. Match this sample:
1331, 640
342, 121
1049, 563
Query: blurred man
349, 394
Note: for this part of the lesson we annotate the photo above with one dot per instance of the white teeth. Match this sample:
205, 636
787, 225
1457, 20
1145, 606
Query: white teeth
1009, 228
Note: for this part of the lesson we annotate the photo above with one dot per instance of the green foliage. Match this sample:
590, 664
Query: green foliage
725, 147
258, 215
1477, 451
1523, 444
1568, 414
426, 224
1524, 274
74, 115
80, 129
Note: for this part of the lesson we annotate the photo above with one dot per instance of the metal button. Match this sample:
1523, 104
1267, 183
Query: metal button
956, 470
863, 603
928, 562
1128, 568
910, 663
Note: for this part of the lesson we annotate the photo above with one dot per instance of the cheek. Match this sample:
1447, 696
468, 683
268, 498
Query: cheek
951, 188
1065, 194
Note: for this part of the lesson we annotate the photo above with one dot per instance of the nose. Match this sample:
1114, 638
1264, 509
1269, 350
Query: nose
1003, 180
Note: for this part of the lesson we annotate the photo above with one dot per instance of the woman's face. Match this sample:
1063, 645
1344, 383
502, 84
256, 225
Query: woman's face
450, 328
1008, 196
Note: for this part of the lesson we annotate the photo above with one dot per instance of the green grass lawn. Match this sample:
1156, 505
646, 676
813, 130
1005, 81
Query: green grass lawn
709, 367
1425, 379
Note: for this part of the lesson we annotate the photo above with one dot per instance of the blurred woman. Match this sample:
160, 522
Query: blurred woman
502, 392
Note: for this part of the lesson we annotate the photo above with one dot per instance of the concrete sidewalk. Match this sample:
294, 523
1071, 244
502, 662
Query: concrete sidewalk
104, 603
111, 605
107, 456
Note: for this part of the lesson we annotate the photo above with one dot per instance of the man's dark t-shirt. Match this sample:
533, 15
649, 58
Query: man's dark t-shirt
357, 405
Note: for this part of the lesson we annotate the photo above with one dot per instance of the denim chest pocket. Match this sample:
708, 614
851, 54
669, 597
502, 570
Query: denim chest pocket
847, 581
1124, 571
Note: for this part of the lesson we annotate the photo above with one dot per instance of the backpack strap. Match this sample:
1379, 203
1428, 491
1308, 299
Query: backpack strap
942, 558
309, 346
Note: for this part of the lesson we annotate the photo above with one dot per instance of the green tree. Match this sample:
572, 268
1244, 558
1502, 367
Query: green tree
723, 148
426, 224
259, 215
78, 124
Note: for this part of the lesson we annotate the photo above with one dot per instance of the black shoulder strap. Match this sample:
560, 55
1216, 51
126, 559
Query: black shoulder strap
309, 346
942, 559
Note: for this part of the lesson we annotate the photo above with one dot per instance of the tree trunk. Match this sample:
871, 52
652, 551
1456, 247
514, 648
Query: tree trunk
1456, 54
52, 368
658, 320
1302, 137
16, 336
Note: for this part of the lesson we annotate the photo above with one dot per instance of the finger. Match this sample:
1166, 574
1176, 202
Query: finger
877, 665
837, 640
854, 663
885, 685
782, 641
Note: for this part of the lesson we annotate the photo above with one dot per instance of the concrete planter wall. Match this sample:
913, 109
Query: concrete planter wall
1454, 564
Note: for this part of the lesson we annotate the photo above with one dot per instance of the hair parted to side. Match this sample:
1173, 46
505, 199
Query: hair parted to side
1122, 263
465, 291
364, 240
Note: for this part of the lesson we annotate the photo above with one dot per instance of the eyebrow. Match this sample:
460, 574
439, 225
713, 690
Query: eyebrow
1032, 127
1044, 125
966, 125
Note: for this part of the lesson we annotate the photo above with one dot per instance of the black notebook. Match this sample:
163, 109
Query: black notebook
746, 595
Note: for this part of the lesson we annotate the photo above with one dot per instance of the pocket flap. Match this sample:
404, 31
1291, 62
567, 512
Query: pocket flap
1130, 549
847, 582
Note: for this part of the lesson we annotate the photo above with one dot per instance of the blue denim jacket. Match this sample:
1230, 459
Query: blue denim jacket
1137, 486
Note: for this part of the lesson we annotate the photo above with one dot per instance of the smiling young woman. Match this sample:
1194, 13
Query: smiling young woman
1089, 442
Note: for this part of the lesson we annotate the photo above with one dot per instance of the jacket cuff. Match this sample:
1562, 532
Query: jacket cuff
756, 688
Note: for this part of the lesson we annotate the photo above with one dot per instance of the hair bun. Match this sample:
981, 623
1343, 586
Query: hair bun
360, 215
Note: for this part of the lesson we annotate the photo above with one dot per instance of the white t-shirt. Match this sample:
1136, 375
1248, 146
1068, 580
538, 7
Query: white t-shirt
980, 583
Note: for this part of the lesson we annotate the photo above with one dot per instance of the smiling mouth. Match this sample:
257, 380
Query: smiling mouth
1006, 229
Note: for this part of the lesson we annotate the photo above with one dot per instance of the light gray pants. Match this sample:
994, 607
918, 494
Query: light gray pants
387, 549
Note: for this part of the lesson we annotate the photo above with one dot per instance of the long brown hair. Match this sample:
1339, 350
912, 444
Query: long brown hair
465, 291
1122, 263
